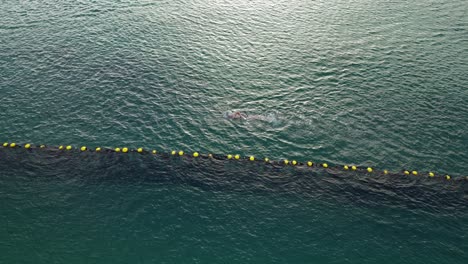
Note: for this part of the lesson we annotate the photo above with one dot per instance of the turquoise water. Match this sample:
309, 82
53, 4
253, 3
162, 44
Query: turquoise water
373, 83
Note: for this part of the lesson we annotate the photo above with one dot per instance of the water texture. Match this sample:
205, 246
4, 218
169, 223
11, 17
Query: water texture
373, 83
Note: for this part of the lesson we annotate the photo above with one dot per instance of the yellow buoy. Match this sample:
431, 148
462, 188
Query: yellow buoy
310, 163
12, 145
117, 149
27, 146
325, 165
195, 154
83, 148
60, 147
385, 171
237, 156
229, 156
252, 158
42, 146
98, 149
267, 160
346, 167
447, 177
369, 169
406, 172
286, 162
124, 150
294, 162
431, 174
154, 151
173, 152
181, 153
5, 144
140, 150
69, 147
353, 168
415, 173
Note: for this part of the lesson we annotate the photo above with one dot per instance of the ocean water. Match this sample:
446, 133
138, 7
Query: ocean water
371, 83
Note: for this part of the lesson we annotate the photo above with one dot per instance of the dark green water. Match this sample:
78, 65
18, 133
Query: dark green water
373, 83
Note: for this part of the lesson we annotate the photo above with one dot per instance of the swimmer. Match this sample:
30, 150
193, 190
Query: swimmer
237, 115
271, 118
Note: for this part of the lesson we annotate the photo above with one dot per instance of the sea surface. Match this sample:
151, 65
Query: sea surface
369, 82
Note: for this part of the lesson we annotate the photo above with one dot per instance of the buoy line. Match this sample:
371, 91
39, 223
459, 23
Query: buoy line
233, 157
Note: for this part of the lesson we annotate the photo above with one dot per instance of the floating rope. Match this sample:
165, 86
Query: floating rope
234, 157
